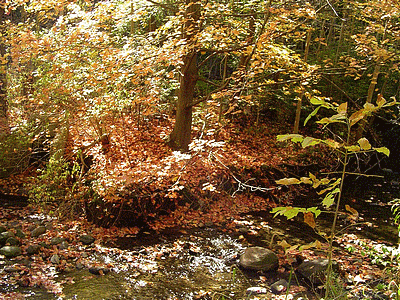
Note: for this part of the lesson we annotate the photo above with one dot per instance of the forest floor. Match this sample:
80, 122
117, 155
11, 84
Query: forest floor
229, 171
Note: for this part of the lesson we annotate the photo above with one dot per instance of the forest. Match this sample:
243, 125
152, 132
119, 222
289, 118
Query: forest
140, 137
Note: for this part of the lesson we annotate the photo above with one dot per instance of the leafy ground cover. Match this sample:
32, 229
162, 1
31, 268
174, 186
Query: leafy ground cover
224, 176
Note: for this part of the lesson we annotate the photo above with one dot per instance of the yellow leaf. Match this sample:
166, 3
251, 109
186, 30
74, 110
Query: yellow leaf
342, 109
364, 144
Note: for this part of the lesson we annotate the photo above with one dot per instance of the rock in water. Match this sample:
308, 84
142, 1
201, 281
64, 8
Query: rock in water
259, 259
314, 270
86, 239
10, 251
279, 287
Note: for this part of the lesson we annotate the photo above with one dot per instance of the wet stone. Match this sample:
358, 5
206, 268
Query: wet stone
10, 251
255, 290
10, 269
64, 245
19, 233
86, 239
38, 231
99, 270
259, 259
314, 270
57, 240
33, 249
279, 287
12, 241
79, 266
55, 259
4, 236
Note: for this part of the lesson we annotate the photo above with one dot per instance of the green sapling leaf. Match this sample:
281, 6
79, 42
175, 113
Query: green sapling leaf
383, 150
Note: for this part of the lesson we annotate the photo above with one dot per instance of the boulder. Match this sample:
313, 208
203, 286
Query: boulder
259, 259
10, 251
315, 270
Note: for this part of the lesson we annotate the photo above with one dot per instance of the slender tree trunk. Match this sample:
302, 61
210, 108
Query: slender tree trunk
179, 138
4, 126
371, 89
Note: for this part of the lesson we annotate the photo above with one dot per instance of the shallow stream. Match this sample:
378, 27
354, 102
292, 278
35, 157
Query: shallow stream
200, 263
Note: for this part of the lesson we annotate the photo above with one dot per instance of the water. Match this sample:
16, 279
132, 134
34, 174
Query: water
199, 263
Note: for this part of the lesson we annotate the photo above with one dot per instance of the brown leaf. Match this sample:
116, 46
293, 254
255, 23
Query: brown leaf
309, 219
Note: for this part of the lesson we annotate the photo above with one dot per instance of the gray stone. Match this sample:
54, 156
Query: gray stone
79, 266
12, 241
4, 237
280, 286
33, 249
10, 251
55, 259
86, 239
256, 290
96, 270
64, 245
38, 231
57, 240
19, 233
315, 270
259, 259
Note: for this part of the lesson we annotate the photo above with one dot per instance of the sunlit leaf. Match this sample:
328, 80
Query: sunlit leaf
314, 112
330, 198
357, 116
287, 181
380, 101
288, 211
292, 137
353, 148
315, 244
383, 150
342, 109
364, 144
309, 141
317, 101
309, 219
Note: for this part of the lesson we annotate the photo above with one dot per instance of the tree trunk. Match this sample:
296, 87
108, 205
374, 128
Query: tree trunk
4, 127
179, 138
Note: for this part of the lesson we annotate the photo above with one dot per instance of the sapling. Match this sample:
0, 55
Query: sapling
331, 188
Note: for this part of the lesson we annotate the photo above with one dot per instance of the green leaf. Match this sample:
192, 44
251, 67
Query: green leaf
353, 148
315, 111
293, 137
309, 141
288, 181
383, 150
314, 210
289, 212
317, 101
330, 198
364, 144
